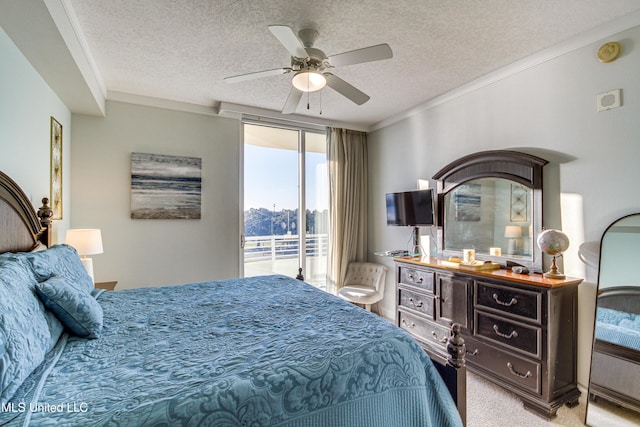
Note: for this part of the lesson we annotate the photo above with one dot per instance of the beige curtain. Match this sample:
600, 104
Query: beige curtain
347, 155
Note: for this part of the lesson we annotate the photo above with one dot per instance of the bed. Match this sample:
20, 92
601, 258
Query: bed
615, 369
268, 351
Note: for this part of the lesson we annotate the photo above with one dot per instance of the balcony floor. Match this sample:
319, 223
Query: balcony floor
289, 267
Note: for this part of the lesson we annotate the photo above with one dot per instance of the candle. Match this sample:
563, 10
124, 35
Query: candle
495, 251
468, 255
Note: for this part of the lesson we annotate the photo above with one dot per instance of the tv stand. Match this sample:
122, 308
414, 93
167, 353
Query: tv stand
417, 249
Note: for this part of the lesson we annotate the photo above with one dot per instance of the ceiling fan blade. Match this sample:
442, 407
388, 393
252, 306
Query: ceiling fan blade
292, 101
358, 56
255, 75
289, 40
345, 89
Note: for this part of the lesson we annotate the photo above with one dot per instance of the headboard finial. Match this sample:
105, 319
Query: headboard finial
45, 213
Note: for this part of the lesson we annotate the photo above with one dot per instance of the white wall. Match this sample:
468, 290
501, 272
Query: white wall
26, 107
548, 110
139, 253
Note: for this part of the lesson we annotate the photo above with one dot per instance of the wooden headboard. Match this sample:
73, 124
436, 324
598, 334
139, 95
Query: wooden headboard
21, 227
621, 298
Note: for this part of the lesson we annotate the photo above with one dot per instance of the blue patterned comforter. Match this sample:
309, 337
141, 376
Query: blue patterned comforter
268, 351
618, 327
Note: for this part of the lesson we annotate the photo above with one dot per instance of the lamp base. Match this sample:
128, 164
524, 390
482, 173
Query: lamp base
88, 265
554, 272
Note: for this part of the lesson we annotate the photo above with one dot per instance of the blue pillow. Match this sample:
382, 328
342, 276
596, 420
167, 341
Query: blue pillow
55, 327
76, 309
25, 334
60, 260
611, 316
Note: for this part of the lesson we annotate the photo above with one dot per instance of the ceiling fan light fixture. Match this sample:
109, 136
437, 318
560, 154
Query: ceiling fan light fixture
308, 81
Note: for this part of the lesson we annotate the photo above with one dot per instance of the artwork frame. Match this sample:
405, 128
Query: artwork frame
519, 203
55, 185
467, 200
165, 186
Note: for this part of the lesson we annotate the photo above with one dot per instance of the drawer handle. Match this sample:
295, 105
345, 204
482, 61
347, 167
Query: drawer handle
435, 337
419, 280
472, 353
517, 374
513, 334
506, 304
408, 325
413, 303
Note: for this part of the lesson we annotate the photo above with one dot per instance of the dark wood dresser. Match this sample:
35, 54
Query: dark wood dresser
520, 330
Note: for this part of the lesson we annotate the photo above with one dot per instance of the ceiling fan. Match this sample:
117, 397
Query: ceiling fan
310, 66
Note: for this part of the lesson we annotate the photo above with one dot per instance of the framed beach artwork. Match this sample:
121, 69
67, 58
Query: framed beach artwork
467, 200
56, 169
165, 187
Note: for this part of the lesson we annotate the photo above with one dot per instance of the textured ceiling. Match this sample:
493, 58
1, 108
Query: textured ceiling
182, 50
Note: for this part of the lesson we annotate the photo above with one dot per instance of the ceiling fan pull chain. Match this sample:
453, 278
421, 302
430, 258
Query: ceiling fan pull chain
320, 102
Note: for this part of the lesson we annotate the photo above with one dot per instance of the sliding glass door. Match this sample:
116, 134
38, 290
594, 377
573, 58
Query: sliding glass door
285, 202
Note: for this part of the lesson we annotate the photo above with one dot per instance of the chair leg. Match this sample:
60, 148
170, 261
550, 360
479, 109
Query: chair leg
368, 307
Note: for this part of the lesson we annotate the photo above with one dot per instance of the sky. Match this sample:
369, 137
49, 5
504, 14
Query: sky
270, 177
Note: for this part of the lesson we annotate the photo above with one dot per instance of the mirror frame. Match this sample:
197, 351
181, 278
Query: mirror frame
522, 168
624, 354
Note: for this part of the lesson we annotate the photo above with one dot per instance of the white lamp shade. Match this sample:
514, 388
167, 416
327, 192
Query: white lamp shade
87, 241
513, 231
308, 81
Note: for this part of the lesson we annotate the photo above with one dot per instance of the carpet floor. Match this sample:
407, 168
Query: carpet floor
491, 406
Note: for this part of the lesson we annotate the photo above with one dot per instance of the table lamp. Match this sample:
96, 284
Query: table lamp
513, 233
87, 241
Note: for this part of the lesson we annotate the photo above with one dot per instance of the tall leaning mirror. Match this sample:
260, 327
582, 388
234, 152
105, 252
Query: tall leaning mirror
614, 385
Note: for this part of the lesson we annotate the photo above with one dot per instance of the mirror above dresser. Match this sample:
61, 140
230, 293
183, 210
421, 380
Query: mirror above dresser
491, 202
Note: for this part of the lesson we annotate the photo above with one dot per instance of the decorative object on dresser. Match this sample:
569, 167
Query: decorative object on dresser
615, 364
519, 329
87, 241
553, 243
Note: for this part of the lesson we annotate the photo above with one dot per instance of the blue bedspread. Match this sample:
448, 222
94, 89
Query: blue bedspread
618, 327
269, 351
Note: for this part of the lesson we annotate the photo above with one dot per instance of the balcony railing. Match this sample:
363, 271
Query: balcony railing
273, 248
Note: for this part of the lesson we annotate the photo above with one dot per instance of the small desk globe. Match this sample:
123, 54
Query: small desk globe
553, 243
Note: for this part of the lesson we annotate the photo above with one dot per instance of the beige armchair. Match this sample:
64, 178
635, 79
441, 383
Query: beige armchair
364, 284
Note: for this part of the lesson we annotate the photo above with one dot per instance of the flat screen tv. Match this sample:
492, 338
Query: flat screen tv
410, 208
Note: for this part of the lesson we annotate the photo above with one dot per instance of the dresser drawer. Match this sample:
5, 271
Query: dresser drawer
518, 302
424, 303
415, 277
515, 335
428, 332
513, 369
